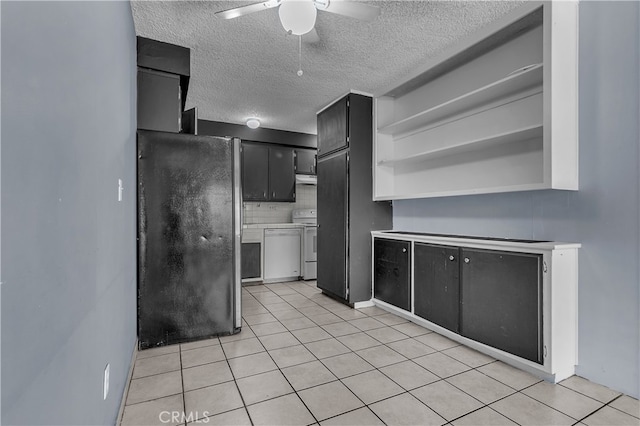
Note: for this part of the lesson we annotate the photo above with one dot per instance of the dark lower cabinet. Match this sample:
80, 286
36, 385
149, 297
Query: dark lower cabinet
250, 265
436, 281
391, 281
333, 205
501, 301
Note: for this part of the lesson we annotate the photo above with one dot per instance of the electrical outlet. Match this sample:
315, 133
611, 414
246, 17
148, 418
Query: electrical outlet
119, 189
105, 382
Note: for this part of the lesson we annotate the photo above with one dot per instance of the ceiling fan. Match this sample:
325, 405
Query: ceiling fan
299, 16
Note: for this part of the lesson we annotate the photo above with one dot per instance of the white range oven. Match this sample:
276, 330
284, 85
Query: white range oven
309, 218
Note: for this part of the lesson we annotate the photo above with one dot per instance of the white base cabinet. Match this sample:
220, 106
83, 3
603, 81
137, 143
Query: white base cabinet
514, 300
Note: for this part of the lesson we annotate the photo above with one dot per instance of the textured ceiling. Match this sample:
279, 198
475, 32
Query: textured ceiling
247, 66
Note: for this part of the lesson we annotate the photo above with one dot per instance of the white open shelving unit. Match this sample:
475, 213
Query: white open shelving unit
496, 113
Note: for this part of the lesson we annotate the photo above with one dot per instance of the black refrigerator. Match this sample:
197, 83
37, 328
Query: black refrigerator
189, 229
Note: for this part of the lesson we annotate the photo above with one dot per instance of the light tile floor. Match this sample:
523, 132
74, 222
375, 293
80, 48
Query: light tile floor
303, 358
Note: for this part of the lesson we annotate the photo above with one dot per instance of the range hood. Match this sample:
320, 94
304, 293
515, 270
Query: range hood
306, 180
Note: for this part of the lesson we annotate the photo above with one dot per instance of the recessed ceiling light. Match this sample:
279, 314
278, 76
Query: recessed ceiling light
253, 123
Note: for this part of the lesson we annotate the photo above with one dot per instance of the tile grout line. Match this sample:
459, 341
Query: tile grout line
288, 382
184, 403
353, 375
270, 299
320, 360
235, 382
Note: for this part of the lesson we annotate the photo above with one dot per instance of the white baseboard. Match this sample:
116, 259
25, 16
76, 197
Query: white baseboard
125, 391
365, 304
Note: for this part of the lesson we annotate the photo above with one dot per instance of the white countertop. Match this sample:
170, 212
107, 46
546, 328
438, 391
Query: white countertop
271, 225
475, 242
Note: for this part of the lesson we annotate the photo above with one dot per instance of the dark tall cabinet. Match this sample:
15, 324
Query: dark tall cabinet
346, 212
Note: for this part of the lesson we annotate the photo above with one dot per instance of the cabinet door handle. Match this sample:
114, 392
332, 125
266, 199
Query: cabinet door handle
273, 195
264, 194
451, 258
466, 260
404, 250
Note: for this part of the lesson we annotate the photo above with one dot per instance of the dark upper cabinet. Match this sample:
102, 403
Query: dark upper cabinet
282, 177
255, 172
333, 127
163, 81
306, 161
501, 301
159, 104
392, 274
436, 282
268, 173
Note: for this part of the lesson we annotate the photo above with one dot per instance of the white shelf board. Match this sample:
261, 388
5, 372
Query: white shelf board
516, 136
510, 84
458, 192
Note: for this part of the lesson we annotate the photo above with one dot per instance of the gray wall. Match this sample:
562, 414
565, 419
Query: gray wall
603, 215
69, 250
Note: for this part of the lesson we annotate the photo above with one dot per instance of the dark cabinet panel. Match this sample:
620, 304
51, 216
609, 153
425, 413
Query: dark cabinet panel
391, 281
255, 172
159, 105
332, 224
501, 301
306, 161
268, 173
333, 127
190, 121
436, 283
250, 260
282, 178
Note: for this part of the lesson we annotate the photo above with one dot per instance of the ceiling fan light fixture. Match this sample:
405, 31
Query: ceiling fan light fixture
297, 16
253, 123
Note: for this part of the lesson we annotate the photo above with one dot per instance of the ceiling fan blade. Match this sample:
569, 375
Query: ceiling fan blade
362, 11
245, 10
311, 36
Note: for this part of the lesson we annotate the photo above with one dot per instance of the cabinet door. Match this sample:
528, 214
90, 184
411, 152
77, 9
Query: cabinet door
502, 301
255, 172
436, 284
306, 161
159, 106
392, 260
282, 175
332, 224
250, 264
333, 127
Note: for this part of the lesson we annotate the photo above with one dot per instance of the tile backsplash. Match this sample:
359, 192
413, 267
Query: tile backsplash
280, 212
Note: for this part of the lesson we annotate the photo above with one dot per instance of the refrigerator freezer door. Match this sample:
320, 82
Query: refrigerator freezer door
187, 237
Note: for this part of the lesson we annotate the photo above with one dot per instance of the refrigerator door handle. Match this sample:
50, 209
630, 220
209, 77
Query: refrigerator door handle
237, 213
